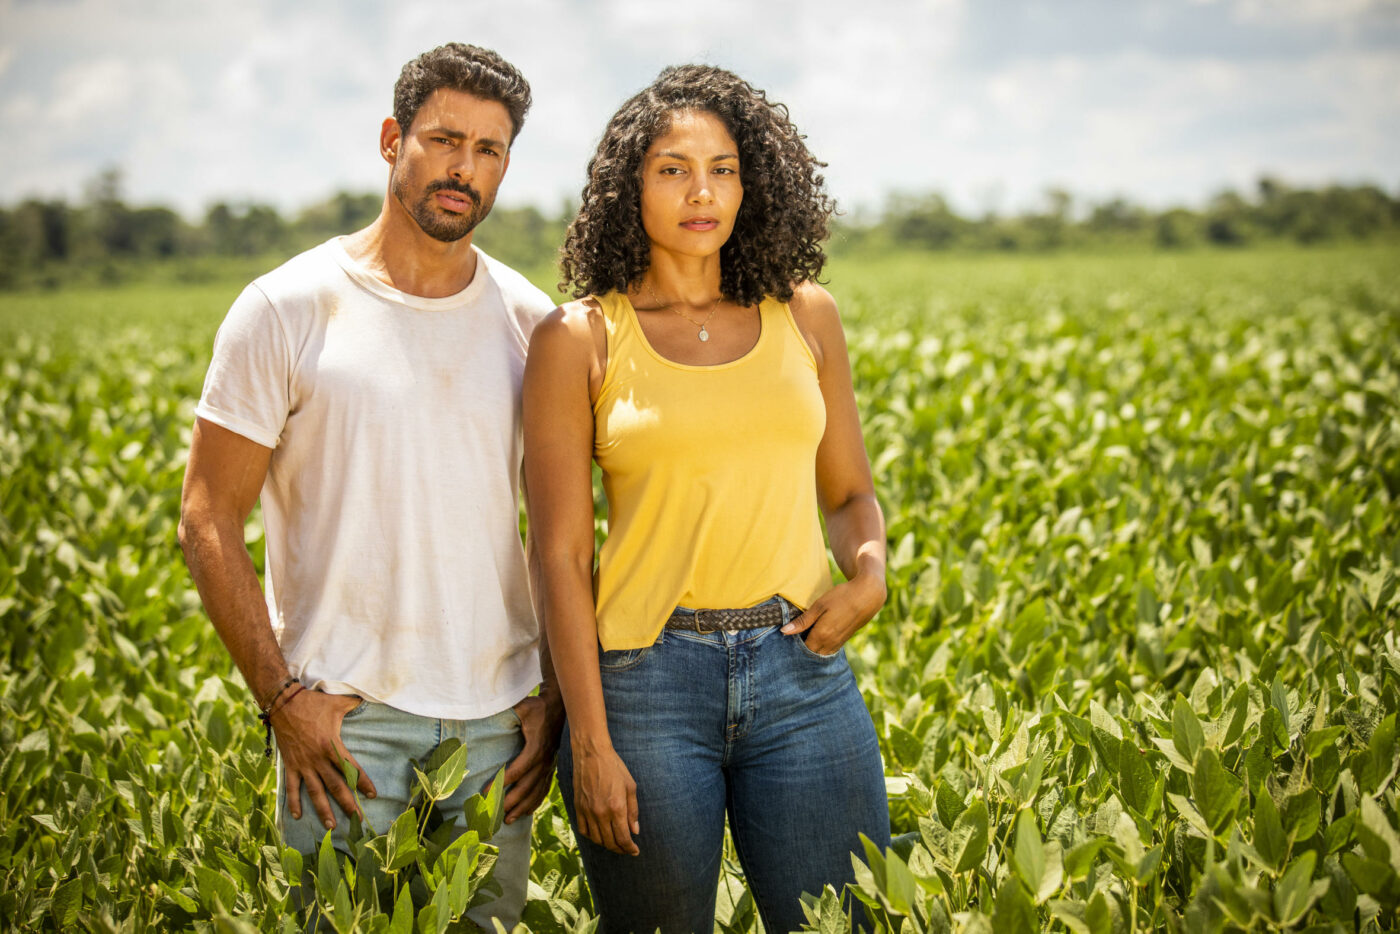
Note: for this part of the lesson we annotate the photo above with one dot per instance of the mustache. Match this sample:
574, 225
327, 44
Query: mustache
462, 188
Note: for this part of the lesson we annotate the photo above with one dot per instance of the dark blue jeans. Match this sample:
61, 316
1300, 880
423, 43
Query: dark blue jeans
753, 724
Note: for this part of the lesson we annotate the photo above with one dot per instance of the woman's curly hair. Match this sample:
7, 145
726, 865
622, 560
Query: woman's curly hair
782, 220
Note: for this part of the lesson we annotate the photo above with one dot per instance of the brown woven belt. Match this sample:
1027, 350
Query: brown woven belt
753, 617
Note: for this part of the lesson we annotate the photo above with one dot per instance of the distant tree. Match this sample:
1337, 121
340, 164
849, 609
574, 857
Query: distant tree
1227, 219
923, 220
342, 213
245, 230
1117, 218
1176, 228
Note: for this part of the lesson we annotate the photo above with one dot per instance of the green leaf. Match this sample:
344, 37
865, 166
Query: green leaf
67, 900
949, 803
1371, 876
901, 888
1376, 836
1237, 708
1187, 735
402, 848
1013, 911
327, 871
969, 837
1214, 791
1071, 914
447, 778
1301, 815
37, 741
1295, 892
906, 746
1136, 780
1029, 853
1278, 695
1319, 740
402, 921
1189, 813
1270, 841
1098, 916
216, 891
1079, 861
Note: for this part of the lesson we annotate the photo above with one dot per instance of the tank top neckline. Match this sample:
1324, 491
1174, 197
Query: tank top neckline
667, 361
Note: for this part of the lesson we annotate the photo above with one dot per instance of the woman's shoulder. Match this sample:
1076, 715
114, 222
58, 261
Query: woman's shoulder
817, 319
571, 330
812, 304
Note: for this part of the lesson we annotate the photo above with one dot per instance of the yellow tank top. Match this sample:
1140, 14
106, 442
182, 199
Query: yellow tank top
710, 475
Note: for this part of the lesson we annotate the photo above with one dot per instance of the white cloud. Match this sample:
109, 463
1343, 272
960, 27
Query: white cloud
1308, 11
264, 101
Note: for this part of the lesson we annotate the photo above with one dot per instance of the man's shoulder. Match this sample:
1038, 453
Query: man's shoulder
519, 293
305, 276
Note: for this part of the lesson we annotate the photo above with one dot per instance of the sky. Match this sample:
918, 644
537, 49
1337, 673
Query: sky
988, 102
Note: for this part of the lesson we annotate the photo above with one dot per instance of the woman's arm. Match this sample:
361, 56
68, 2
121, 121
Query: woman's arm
562, 374
845, 490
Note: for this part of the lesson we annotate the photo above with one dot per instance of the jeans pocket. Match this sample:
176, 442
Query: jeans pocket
622, 659
801, 640
358, 709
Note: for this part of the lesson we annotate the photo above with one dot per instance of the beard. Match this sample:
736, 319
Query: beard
433, 220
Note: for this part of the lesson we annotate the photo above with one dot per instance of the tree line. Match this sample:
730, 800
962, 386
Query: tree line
106, 240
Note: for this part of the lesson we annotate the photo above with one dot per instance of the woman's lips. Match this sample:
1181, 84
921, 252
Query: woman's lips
700, 223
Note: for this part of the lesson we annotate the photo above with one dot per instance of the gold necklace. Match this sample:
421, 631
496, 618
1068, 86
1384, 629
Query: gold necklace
704, 335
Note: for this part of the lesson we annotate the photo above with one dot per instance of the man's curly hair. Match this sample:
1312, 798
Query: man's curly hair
461, 67
782, 220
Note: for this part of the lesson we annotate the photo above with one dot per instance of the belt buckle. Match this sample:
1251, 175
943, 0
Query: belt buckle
700, 626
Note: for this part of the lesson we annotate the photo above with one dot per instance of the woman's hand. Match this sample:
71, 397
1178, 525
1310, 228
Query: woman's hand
605, 800
837, 614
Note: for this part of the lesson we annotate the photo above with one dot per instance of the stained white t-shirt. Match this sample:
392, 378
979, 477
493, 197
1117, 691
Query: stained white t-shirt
394, 563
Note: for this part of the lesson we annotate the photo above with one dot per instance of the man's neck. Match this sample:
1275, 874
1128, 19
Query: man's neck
397, 251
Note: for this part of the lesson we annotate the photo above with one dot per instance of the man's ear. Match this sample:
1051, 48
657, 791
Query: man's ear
390, 136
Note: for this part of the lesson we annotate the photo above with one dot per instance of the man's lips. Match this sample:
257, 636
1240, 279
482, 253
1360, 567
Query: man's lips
455, 199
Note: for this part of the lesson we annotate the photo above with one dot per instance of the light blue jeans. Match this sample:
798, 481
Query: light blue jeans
753, 724
383, 739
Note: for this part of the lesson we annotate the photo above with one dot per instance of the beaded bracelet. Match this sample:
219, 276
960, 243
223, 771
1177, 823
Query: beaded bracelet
291, 680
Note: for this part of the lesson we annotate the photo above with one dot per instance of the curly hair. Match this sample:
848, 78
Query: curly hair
782, 220
461, 67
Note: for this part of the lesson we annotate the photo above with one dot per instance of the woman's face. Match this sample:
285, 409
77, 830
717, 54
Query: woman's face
690, 186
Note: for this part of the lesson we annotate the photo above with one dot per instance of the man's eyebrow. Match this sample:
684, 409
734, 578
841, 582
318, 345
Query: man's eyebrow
459, 135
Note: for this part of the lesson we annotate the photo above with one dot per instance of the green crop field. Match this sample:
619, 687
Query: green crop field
1138, 670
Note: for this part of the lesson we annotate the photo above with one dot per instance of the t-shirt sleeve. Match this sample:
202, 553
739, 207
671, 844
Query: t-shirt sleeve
247, 387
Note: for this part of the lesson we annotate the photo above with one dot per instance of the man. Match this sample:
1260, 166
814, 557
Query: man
369, 389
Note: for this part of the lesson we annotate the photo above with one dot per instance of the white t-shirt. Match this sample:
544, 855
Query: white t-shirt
391, 506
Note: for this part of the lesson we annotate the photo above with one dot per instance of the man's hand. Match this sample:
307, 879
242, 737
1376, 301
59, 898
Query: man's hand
308, 738
529, 774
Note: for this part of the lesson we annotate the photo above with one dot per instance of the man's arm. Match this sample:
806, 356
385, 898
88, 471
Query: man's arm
222, 482
528, 776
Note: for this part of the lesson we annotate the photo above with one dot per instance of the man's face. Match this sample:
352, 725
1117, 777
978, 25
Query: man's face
448, 164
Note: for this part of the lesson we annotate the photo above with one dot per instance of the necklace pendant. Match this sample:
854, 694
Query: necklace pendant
704, 335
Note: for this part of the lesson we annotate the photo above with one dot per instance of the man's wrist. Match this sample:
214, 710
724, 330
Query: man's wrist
266, 701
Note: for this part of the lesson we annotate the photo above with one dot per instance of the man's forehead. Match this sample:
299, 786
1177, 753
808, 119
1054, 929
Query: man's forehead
449, 107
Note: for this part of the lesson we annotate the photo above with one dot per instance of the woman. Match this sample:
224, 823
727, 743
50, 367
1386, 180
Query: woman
702, 668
